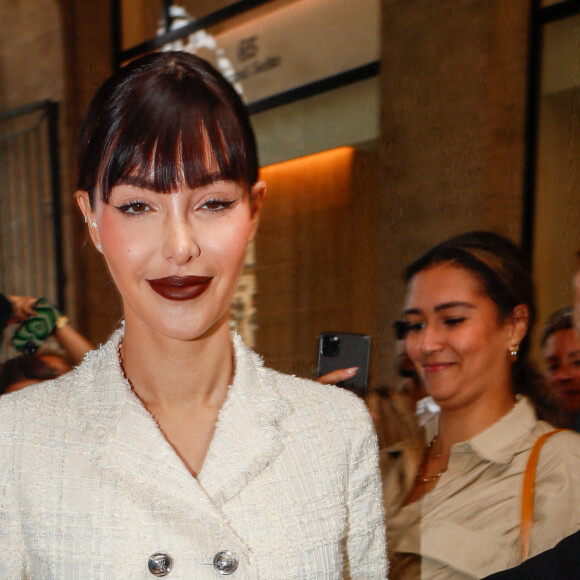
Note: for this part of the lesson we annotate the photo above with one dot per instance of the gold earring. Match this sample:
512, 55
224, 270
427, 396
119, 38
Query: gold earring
514, 350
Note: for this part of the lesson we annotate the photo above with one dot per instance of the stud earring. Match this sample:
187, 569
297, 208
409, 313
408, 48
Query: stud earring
514, 350
86, 219
94, 224
100, 248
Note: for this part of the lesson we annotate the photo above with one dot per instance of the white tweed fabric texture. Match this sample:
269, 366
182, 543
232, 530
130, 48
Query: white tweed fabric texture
91, 489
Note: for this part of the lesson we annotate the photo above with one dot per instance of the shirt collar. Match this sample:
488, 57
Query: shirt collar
502, 440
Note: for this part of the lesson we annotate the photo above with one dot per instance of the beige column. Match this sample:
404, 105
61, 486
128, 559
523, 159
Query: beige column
453, 127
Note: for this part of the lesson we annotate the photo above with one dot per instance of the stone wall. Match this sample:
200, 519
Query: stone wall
32, 69
89, 62
316, 254
454, 76
31, 52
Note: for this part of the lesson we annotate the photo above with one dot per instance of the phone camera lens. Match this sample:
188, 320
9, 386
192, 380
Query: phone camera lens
331, 345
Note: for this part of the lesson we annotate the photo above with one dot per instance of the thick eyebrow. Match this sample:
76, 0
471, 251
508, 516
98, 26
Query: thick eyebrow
440, 307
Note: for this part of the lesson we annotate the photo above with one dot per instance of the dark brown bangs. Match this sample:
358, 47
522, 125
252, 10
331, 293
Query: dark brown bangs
166, 120
175, 139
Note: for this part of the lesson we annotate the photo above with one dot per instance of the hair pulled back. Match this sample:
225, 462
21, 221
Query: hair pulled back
168, 119
561, 319
505, 277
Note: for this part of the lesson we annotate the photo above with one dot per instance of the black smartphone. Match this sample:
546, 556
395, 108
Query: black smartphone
341, 350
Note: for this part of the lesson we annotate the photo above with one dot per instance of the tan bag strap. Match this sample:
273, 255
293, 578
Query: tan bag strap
528, 491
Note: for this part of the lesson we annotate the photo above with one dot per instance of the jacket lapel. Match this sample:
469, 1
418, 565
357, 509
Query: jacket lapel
131, 448
248, 434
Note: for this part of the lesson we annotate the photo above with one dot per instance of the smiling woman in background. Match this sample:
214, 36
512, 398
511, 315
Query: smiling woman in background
561, 353
172, 450
454, 505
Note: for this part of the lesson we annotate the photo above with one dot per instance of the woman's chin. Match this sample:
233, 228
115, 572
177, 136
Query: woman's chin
177, 329
191, 333
442, 397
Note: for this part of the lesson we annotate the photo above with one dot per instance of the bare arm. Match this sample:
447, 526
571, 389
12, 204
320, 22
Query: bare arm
74, 343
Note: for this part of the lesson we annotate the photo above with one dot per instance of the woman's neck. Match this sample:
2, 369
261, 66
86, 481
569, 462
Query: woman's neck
464, 423
171, 373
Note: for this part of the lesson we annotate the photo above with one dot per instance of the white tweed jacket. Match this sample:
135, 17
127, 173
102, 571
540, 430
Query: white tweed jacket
90, 488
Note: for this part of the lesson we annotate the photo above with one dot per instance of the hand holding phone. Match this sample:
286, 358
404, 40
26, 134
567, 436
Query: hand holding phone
339, 353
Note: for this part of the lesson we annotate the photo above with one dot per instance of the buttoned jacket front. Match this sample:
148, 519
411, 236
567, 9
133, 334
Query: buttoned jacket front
90, 488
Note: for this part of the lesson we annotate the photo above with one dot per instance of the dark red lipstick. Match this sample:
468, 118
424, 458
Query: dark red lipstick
181, 287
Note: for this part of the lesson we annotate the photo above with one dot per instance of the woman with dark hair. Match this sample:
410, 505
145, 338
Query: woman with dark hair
23, 371
561, 561
560, 344
171, 449
454, 505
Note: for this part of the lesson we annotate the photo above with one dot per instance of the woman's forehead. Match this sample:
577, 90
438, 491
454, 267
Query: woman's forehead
443, 282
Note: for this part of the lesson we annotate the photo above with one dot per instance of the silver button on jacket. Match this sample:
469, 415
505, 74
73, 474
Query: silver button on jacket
225, 563
160, 564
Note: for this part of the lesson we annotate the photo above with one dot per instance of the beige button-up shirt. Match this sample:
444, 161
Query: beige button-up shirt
468, 526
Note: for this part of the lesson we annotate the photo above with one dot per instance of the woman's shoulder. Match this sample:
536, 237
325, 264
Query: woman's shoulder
31, 410
41, 393
320, 408
309, 393
559, 454
557, 489
65, 396
299, 391
555, 438
560, 447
